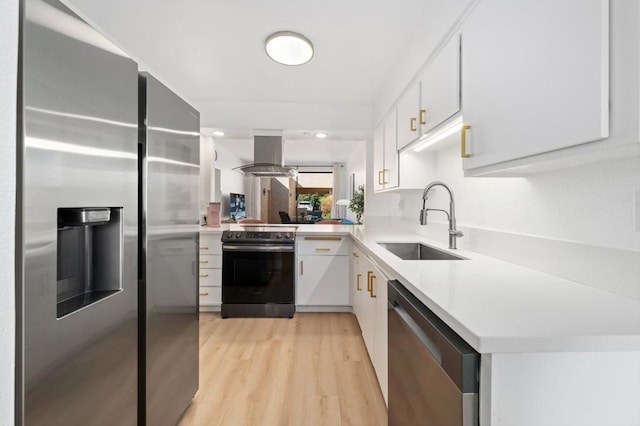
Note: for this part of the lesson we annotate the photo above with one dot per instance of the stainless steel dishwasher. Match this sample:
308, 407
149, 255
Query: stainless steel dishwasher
433, 372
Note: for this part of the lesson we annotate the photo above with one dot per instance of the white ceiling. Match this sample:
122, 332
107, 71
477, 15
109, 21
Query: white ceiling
212, 51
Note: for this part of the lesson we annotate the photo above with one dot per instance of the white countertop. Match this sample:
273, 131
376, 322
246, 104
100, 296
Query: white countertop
498, 306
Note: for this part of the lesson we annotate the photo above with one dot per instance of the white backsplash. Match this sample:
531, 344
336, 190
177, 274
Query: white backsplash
576, 223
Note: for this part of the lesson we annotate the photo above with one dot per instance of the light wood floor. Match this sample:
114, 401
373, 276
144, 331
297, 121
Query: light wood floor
309, 370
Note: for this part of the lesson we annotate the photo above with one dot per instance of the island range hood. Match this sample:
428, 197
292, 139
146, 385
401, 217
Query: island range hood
267, 159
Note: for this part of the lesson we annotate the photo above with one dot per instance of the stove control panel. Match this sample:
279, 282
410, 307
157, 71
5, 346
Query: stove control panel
259, 237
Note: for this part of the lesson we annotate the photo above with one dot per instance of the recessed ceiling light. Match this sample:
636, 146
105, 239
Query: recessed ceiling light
321, 135
218, 133
289, 48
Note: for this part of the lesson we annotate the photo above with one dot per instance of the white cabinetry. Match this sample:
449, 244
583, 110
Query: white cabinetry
323, 271
370, 307
535, 78
385, 154
408, 115
210, 271
433, 97
440, 87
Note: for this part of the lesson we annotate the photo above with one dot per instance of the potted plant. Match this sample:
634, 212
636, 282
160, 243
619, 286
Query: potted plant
357, 203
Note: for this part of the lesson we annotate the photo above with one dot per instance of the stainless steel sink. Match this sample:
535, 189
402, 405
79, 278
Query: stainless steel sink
418, 251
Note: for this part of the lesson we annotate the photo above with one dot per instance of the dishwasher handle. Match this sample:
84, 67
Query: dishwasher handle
428, 344
456, 357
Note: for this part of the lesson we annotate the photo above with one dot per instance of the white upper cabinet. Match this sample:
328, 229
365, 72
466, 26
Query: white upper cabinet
433, 98
535, 78
408, 115
378, 157
385, 154
440, 82
390, 170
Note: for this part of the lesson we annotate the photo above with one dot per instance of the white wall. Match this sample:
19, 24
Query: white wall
206, 173
8, 87
355, 165
231, 180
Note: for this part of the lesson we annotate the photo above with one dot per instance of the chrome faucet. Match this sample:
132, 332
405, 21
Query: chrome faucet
451, 214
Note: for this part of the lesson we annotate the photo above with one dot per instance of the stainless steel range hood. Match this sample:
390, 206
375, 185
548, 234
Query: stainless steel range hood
267, 159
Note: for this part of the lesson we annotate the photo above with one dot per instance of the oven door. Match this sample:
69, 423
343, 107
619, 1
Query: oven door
261, 273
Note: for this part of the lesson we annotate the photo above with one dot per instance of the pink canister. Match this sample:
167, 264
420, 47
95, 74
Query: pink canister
213, 215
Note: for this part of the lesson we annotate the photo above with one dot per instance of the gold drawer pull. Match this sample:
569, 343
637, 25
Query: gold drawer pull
423, 116
372, 291
323, 238
301, 267
412, 124
384, 176
358, 286
463, 141
204, 248
204, 261
204, 294
369, 273
380, 177
322, 249
355, 254
204, 276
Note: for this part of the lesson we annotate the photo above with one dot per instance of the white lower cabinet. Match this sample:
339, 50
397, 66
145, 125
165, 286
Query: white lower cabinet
370, 306
210, 262
322, 280
323, 271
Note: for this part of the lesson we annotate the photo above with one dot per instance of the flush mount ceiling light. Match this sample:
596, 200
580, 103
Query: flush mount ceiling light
218, 133
289, 48
321, 135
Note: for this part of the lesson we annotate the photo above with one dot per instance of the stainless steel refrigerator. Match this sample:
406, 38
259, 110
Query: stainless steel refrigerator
169, 170
107, 328
77, 306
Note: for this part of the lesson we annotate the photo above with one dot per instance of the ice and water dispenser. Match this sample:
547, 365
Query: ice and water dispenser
89, 266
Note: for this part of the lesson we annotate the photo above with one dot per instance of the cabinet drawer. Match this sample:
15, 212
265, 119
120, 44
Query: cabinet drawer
210, 295
210, 244
324, 245
210, 261
211, 277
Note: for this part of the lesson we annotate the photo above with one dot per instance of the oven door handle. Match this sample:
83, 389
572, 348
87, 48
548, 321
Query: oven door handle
259, 247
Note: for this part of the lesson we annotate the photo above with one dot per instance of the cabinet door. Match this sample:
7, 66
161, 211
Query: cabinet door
379, 301
408, 120
390, 170
367, 311
534, 77
356, 282
440, 97
378, 157
323, 281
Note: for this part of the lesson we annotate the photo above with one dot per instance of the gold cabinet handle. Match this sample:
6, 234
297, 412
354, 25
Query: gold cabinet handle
372, 291
423, 116
369, 274
384, 176
204, 248
204, 275
301, 267
412, 124
323, 238
204, 261
463, 141
323, 249
380, 177
358, 286
204, 294
355, 254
